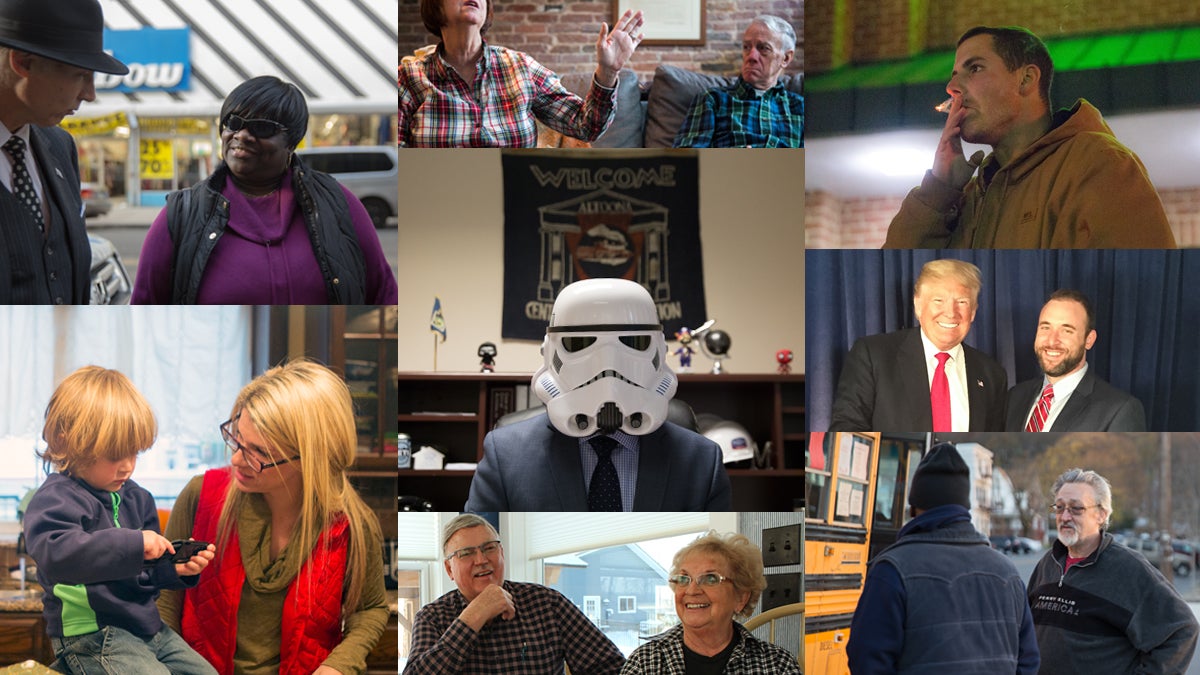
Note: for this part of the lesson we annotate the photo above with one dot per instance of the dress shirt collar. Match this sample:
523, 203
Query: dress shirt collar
931, 351
1066, 386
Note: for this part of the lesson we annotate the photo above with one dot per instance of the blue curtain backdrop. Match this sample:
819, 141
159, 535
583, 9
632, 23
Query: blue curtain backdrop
1147, 307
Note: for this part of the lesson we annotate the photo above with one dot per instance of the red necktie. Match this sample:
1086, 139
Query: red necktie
939, 395
1038, 419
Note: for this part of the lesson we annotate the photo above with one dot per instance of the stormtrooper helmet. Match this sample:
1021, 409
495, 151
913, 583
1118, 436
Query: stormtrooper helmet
604, 361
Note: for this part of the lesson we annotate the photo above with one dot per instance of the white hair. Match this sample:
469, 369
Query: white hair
780, 27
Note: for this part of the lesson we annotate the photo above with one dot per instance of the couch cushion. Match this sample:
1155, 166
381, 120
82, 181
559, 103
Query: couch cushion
626, 128
671, 97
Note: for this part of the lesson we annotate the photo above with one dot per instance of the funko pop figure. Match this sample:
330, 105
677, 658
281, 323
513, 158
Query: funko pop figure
784, 357
487, 356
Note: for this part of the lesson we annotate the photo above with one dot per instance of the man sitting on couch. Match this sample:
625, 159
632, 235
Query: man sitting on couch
757, 111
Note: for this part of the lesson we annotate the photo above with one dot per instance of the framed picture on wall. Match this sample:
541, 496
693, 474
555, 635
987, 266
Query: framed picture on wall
668, 22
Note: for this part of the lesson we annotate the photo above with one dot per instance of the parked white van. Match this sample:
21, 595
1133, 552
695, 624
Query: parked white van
368, 171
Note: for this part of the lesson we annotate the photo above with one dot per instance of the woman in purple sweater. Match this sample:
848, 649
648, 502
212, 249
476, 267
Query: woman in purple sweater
263, 228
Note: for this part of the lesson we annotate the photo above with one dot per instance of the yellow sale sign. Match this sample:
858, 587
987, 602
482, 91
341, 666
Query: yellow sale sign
157, 159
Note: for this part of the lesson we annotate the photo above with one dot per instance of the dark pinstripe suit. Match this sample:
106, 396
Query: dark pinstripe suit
50, 268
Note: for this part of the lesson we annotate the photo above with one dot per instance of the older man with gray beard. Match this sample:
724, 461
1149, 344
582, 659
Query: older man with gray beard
1098, 606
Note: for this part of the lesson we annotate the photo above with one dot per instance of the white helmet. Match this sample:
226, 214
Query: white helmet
604, 360
736, 443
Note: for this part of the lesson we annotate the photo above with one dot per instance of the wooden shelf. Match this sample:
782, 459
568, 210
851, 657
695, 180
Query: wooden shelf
440, 417
769, 406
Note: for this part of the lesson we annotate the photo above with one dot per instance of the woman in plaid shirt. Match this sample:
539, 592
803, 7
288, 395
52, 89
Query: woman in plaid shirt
467, 93
716, 577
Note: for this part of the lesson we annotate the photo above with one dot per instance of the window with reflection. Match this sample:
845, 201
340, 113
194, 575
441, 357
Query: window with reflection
622, 589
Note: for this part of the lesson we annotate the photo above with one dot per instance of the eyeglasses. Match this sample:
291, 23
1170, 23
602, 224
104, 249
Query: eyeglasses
487, 548
710, 579
1076, 511
252, 456
257, 128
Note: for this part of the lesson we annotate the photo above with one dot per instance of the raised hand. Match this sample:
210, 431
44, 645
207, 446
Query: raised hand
492, 602
614, 48
949, 164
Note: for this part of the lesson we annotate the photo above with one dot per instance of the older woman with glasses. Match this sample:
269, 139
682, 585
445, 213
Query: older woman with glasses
264, 228
297, 585
715, 578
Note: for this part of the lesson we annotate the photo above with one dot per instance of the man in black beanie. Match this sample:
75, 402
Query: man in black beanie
940, 597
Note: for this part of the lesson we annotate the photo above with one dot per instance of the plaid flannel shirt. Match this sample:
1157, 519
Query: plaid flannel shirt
546, 631
439, 109
735, 117
663, 655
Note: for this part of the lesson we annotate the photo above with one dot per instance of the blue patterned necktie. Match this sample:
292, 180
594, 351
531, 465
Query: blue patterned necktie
22, 182
604, 492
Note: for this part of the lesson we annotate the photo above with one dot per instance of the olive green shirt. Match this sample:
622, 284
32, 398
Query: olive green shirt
260, 612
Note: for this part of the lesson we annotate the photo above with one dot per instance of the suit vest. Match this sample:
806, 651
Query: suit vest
52, 268
312, 610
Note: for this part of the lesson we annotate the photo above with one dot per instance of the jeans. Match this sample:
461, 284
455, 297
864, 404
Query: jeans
115, 651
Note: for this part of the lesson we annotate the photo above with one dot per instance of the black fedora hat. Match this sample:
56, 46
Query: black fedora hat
71, 31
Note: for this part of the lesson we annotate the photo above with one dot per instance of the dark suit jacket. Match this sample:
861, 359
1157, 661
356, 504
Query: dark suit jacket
531, 466
885, 387
1095, 406
58, 163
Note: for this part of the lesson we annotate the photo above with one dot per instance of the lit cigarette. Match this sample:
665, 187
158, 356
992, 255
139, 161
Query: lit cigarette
944, 107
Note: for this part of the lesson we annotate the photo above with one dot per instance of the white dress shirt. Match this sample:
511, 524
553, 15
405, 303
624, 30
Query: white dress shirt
6, 166
956, 375
1062, 391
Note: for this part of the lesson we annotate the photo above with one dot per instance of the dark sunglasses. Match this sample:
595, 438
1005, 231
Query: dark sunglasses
257, 128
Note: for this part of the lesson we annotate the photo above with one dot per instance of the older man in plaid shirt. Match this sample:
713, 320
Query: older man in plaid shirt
490, 625
758, 110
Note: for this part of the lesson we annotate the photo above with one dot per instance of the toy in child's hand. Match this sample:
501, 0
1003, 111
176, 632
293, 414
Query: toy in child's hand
184, 550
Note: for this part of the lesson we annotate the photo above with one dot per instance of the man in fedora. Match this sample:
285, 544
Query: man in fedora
940, 599
49, 51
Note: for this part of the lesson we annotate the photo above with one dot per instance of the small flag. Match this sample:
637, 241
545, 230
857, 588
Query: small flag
437, 323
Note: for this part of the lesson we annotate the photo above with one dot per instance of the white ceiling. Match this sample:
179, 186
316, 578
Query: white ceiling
891, 163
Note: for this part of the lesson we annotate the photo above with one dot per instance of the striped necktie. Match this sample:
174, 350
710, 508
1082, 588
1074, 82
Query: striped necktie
1038, 419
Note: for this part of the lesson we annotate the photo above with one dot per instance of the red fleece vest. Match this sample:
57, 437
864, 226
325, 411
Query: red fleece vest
312, 610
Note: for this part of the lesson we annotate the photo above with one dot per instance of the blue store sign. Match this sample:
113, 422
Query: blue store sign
159, 59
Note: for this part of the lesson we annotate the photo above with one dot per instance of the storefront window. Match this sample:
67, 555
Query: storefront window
351, 130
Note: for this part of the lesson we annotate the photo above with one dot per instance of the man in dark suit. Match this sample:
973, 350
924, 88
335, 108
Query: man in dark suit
897, 381
1068, 397
530, 466
49, 52
604, 443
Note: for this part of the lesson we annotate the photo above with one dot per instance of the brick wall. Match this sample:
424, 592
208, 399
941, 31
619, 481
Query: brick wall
893, 29
561, 34
830, 222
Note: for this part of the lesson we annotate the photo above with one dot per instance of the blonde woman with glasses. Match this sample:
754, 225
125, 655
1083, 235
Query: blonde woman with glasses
297, 585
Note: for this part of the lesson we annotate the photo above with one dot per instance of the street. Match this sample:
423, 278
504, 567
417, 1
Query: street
1186, 586
126, 226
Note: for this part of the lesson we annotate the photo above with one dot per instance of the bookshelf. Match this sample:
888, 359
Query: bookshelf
452, 412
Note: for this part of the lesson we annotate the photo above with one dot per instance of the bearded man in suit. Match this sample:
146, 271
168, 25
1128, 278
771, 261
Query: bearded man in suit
1068, 396
49, 52
925, 379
